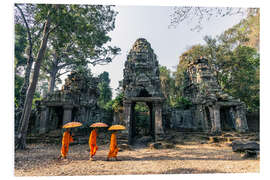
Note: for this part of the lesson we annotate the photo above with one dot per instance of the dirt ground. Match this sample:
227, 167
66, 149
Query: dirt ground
41, 160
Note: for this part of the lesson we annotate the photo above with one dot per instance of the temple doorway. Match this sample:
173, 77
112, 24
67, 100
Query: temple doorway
226, 120
142, 120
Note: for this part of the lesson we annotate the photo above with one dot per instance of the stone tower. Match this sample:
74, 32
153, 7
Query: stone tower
142, 84
212, 109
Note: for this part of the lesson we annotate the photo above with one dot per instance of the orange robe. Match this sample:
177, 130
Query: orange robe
113, 146
93, 142
67, 138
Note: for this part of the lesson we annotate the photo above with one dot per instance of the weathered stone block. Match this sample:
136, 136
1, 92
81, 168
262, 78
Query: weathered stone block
155, 145
240, 146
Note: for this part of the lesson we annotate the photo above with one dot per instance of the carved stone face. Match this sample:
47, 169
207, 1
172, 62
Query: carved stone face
140, 45
142, 79
140, 70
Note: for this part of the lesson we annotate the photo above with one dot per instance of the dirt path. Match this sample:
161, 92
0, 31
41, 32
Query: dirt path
41, 160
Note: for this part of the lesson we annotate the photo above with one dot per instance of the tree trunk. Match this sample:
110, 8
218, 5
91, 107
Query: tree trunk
25, 85
53, 73
20, 141
52, 79
23, 93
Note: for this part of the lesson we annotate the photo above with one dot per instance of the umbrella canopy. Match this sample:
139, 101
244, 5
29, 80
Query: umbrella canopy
72, 125
99, 124
117, 127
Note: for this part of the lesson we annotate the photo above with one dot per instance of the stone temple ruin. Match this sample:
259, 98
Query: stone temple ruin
142, 84
212, 110
77, 101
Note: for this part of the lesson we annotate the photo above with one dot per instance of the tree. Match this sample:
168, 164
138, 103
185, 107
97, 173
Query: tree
240, 77
247, 32
168, 87
116, 104
82, 43
20, 60
235, 60
188, 56
78, 22
28, 68
203, 14
20, 46
165, 80
20, 140
104, 88
18, 85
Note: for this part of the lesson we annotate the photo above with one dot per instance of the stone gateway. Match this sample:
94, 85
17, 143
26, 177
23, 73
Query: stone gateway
142, 84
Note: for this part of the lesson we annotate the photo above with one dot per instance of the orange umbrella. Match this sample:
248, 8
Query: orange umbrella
117, 127
72, 124
99, 124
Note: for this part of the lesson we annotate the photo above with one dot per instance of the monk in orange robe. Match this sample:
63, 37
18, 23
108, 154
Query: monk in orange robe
93, 143
113, 147
67, 138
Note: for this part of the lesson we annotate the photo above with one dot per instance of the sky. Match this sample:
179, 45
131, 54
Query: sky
152, 23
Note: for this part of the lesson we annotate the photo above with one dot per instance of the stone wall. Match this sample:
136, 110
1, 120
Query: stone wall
76, 101
253, 120
212, 109
182, 120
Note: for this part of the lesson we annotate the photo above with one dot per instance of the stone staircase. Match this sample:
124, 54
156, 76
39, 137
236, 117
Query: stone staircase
55, 137
171, 136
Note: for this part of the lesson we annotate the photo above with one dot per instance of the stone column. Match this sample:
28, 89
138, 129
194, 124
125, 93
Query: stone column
240, 119
215, 118
157, 110
201, 118
67, 113
205, 119
232, 115
152, 124
44, 117
127, 120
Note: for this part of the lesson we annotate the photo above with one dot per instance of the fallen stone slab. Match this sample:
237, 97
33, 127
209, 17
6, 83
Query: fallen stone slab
145, 139
250, 154
161, 145
240, 146
155, 145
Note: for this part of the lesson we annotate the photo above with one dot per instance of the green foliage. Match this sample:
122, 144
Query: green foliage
142, 119
20, 46
246, 33
241, 79
18, 84
141, 107
78, 35
104, 89
188, 56
82, 34
116, 104
180, 102
37, 97
234, 59
167, 82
